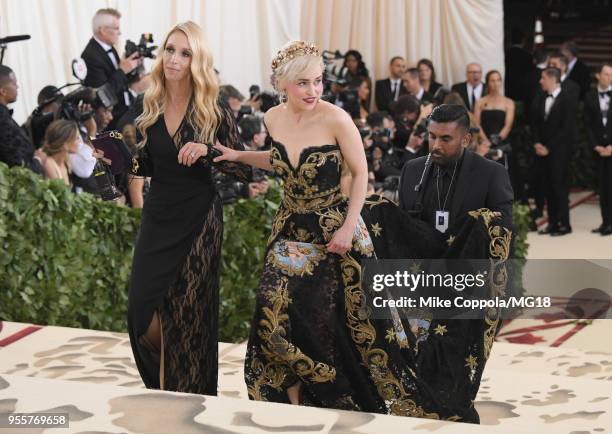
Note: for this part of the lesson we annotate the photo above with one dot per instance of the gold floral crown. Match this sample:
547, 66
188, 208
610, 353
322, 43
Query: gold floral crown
296, 49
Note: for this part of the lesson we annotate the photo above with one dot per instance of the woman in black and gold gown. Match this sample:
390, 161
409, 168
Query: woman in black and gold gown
174, 290
313, 339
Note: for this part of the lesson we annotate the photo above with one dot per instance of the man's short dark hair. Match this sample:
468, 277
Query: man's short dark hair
5, 73
560, 56
553, 72
414, 73
375, 119
446, 113
248, 126
603, 65
394, 58
228, 91
406, 103
571, 47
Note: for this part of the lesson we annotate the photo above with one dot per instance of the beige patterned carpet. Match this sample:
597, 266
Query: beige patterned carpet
91, 375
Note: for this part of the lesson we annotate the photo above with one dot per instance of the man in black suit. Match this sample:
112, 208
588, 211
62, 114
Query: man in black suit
553, 120
390, 89
16, 148
103, 63
519, 67
473, 88
598, 120
453, 180
576, 69
441, 190
559, 61
411, 82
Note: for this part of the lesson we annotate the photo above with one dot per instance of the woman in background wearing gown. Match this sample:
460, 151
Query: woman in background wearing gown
174, 288
313, 339
494, 113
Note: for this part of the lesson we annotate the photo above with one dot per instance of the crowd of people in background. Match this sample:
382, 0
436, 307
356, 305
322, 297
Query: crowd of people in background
391, 114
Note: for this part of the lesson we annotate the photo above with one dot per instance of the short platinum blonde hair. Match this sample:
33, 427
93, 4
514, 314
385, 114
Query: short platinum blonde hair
293, 59
104, 17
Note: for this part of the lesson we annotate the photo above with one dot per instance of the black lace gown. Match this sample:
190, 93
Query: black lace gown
175, 268
311, 323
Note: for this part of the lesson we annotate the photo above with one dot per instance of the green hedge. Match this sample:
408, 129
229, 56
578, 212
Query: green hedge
66, 258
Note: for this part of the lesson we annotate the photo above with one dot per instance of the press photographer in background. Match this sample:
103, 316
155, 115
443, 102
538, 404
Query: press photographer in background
103, 62
37, 123
253, 136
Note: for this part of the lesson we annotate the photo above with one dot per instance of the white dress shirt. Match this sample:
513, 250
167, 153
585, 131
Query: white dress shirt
550, 100
604, 104
395, 87
477, 91
109, 51
82, 162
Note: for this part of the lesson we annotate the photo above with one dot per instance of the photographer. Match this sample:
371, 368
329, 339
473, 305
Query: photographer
16, 148
103, 62
234, 99
253, 136
36, 125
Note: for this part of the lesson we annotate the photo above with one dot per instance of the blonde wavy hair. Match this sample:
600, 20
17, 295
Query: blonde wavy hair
203, 113
293, 59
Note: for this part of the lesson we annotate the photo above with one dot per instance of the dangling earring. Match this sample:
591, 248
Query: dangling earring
283, 96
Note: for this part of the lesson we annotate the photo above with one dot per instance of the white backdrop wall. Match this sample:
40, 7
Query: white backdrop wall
245, 34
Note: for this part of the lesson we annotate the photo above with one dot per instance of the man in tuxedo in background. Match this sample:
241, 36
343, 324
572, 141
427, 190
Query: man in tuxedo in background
553, 120
559, 61
473, 88
390, 89
598, 120
411, 82
576, 69
103, 62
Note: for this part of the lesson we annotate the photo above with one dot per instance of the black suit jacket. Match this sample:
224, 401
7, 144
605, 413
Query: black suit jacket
100, 70
597, 134
461, 89
519, 69
384, 97
556, 132
582, 76
481, 183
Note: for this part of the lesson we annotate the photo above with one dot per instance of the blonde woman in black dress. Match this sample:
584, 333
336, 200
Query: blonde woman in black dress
174, 291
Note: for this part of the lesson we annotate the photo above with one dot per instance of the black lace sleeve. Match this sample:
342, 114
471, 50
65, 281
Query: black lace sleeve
141, 163
228, 135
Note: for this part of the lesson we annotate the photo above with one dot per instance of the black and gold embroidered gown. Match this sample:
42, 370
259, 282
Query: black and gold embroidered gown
175, 268
311, 323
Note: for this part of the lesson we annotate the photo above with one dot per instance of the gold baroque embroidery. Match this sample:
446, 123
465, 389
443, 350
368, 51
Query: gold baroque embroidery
363, 333
277, 348
499, 250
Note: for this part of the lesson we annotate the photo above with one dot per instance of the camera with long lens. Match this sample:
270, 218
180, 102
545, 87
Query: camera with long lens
70, 103
143, 48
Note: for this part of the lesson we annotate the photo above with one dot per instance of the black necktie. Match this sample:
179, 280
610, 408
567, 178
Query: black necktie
550, 95
607, 92
473, 104
394, 90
